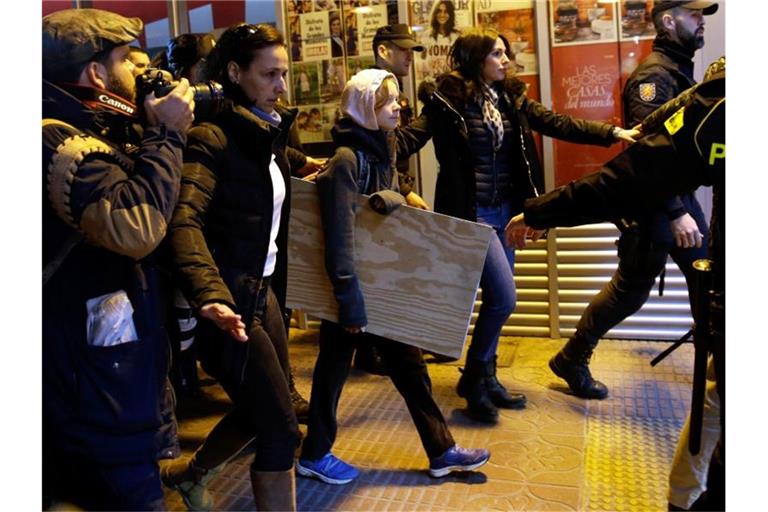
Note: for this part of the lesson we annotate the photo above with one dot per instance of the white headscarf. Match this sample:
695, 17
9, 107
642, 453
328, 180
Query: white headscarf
359, 97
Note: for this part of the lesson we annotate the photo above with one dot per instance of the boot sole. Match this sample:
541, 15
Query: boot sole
516, 405
309, 473
439, 473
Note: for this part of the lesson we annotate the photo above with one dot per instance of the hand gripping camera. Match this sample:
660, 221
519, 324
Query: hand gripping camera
209, 96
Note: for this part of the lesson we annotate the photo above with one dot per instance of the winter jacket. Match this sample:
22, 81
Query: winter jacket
663, 74
363, 164
110, 202
220, 230
445, 118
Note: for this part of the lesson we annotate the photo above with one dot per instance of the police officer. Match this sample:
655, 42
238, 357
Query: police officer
676, 228
684, 149
108, 198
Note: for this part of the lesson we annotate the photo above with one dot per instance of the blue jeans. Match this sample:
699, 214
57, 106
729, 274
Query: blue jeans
498, 285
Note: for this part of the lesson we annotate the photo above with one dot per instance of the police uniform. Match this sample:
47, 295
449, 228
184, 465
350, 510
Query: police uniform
647, 237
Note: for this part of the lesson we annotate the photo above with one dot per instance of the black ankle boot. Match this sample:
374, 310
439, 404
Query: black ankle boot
572, 365
498, 393
300, 405
472, 386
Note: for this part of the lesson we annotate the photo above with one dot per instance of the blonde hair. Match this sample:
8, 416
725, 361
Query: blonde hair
382, 93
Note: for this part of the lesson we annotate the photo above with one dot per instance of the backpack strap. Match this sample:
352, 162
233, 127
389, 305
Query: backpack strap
364, 171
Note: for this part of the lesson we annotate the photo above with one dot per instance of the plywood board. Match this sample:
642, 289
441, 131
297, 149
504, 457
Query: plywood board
419, 271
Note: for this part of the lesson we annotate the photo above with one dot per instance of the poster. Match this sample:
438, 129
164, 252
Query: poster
332, 80
315, 36
306, 83
350, 31
585, 85
514, 19
368, 21
582, 22
631, 54
314, 122
636, 20
438, 23
357, 64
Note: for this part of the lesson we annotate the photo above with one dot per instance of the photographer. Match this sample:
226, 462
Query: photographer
107, 411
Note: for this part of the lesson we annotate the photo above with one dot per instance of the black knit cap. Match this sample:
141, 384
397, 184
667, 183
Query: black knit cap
73, 36
706, 7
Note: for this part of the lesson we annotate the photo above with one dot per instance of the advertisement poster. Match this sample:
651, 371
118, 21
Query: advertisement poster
631, 54
514, 19
315, 122
582, 22
636, 20
315, 36
332, 80
585, 85
368, 21
356, 64
438, 23
350, 31
306, 83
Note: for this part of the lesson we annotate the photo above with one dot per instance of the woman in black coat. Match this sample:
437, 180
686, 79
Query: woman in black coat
481, 123
228, 236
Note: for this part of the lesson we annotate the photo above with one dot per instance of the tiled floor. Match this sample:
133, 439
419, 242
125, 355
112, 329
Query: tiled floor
560, 453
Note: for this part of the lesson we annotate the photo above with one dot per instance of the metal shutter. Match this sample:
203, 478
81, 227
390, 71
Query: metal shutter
586, 260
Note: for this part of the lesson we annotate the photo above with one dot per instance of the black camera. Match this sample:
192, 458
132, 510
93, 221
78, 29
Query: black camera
209, 96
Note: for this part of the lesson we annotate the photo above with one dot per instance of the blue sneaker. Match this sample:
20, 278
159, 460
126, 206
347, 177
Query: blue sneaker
330, 469
457, 458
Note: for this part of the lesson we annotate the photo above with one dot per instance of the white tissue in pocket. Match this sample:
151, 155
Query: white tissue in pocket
110, 320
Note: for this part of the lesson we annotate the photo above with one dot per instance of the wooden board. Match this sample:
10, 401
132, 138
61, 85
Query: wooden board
419, 271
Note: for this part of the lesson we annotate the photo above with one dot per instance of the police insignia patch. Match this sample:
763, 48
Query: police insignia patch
647, 91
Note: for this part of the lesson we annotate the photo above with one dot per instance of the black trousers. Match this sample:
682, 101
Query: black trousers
640, 261
69, 480
407, 371
255, 376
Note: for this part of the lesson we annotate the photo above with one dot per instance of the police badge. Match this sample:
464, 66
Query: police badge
647, 91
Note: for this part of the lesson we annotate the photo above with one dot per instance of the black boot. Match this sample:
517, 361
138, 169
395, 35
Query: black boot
367, 359
472, 386
498, 393
572, 365
300, 405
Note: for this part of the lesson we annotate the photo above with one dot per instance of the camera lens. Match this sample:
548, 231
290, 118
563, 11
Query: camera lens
209, 98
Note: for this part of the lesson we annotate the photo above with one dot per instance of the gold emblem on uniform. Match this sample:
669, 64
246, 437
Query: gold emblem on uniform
647, 92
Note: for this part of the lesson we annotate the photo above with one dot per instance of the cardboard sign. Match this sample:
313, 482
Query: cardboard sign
419, 271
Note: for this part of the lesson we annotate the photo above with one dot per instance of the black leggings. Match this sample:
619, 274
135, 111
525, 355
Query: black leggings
254, 375
407, 371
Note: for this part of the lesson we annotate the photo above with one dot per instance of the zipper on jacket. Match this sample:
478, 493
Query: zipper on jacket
527, 163
495, 175
450, 107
